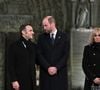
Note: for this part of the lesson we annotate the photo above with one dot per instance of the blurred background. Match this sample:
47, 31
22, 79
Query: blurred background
76, 17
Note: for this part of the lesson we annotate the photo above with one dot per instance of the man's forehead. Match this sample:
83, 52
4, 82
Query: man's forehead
28, 27
45, 21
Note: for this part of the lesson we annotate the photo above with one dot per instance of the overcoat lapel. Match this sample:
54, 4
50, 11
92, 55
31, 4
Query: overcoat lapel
58, 37
48, 40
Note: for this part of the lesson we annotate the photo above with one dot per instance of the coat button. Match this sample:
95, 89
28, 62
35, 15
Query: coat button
94, 64
93, 53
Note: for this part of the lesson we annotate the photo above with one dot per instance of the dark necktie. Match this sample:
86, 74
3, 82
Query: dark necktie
52, 38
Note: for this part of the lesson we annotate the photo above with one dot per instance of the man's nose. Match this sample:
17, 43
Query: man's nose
44, 27
33, 32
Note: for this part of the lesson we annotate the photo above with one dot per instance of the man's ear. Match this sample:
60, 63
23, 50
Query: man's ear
23, 32
53, 24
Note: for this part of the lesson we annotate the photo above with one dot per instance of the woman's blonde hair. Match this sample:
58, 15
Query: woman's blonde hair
94, 31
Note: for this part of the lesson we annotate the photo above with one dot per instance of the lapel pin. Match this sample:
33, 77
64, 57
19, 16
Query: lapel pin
59, 37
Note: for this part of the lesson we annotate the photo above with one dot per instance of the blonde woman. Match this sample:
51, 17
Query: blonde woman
91, 61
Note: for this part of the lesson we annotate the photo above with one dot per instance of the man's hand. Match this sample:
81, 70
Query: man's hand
97, 81
52, 70
15, 85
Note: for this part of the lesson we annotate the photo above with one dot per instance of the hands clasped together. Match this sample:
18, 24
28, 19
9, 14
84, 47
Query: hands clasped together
97, 80
52, 70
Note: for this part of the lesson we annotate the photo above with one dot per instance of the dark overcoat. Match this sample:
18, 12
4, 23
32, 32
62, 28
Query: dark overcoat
53, 55
91, 64
21, 63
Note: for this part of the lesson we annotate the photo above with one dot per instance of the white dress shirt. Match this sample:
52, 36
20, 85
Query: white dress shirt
54, 34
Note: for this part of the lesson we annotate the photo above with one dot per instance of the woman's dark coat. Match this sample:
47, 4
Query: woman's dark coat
91, 64
21, 63
53, 55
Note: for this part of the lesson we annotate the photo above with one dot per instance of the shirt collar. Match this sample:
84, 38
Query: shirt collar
54, 32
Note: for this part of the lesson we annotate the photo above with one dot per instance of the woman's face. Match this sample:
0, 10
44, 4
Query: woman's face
97, 37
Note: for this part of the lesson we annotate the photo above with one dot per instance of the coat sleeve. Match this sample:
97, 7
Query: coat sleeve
11, 64
63, 60
86, 65
41, 59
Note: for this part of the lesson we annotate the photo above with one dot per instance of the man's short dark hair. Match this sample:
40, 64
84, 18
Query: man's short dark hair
22, 27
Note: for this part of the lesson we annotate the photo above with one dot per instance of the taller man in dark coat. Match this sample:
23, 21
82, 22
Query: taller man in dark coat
53, 50
21, 60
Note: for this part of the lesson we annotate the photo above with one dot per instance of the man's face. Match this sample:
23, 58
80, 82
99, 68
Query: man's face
47, 26
28, 32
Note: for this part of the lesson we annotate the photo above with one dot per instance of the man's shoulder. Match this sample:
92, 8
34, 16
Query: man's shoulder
43, 35
14, 43
63, 32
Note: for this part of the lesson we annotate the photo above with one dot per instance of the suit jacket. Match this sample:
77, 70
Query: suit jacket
53, 55
91, 63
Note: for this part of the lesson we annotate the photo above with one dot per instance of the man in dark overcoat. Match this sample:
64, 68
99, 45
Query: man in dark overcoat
21, 60
53, 50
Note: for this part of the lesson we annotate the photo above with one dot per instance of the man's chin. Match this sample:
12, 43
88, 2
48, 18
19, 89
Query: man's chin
31, 37
47, 31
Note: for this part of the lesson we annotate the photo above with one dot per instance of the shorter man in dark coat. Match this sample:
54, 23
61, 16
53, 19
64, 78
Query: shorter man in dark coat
21, 60
53, 50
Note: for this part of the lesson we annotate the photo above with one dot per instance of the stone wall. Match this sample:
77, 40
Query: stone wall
2, 61
11, 23
38, 9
